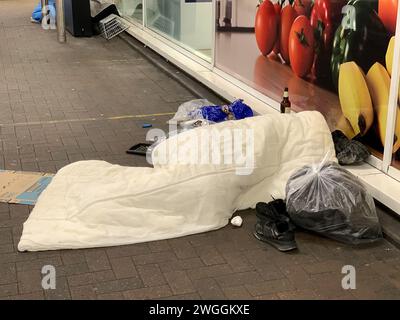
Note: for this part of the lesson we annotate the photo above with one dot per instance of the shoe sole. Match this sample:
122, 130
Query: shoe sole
277, 245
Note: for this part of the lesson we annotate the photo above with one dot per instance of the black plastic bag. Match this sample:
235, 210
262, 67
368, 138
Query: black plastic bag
331, 201
349, 151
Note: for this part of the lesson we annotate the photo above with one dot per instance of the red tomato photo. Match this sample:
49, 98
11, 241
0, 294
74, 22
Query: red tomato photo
278, 8
288, 16
301, 46
303, 7
266, 27
387, 10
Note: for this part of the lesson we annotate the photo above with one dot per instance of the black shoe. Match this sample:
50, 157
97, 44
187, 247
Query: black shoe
275, 209
274, 226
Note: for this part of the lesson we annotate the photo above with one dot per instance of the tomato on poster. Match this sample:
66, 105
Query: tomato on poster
266, 27
288, 15
301, 46
387, 10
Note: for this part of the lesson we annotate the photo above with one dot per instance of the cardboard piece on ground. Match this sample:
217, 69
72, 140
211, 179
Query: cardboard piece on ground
22, 187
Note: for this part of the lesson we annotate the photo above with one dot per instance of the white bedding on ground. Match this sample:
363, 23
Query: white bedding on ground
96, 204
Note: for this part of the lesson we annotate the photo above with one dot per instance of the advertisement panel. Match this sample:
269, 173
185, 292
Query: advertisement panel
335, 56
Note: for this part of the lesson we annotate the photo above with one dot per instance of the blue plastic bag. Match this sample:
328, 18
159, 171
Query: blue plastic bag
37, 12
235, 111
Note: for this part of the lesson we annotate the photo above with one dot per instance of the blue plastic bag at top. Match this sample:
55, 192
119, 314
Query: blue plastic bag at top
236, 110
37, 12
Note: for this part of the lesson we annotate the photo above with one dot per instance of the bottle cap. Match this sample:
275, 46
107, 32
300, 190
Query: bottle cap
286, 93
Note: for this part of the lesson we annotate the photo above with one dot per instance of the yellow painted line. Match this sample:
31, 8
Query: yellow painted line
136, 116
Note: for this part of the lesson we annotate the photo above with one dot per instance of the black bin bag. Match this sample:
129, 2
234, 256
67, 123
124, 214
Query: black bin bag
331, 201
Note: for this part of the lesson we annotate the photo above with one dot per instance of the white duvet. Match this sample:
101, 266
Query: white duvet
97, 204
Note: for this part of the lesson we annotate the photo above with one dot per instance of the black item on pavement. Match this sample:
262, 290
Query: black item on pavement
273, 225
349, 151
139, 149
78, 21
331, 201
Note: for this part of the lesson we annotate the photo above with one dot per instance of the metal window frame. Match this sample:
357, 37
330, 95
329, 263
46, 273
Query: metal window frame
393, 107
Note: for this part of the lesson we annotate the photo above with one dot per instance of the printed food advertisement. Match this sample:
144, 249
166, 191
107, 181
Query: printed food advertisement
335, 56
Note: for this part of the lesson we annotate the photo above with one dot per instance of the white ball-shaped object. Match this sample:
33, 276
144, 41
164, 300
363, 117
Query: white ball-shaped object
237, 221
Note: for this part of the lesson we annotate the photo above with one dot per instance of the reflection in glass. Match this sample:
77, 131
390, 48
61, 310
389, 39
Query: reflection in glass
131, 8
186, 21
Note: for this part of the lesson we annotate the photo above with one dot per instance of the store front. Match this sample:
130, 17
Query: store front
187, 23
339, 57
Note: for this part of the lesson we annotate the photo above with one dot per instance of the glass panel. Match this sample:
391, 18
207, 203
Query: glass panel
396, 150
329, 53
188, 22
392, 67
131, 8
396, 136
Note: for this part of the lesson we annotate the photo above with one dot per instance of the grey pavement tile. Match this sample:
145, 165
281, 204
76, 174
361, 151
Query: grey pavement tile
123, 267
306, 294
111, 296
237, 261
73, 269
151, 275
179, 282
8, 273
269, 287
239, 278
29, 281
61, 292
184, 264
119, 285
39, 295
158, 292
209, 289
237, 293
159, 246
186, 296
83, 293
210, 271
210, 255
72, 257
128, 251
97, 260
7, 290
151, 258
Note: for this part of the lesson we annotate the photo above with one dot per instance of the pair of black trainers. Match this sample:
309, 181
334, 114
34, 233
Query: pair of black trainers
274, 226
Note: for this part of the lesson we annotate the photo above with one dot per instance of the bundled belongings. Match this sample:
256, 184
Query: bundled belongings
349, 151
204, 110
235, 111
97, 204
37, 11
329, 200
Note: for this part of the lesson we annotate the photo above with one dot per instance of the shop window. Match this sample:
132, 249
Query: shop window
131, 8
187, 22
329, 53
396, 140
396, 135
